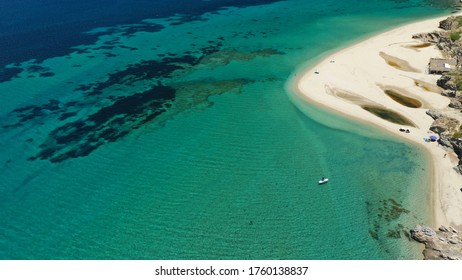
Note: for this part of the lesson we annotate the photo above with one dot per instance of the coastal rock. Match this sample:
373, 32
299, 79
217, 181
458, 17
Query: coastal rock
448, 23
450, 85
450, 136
455, 103
457, 144
448, 41
458, 169
422, 233
435, 114
457, 147
452, 241
441, 82
445, 124
443, 229
432, 37
452, 139
437, 127
445, 82
449, 93
445, 142
439, 245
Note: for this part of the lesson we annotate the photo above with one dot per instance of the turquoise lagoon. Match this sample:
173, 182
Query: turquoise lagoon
178, 138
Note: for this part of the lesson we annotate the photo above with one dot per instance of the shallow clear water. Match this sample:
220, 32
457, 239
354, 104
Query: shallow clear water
175, 138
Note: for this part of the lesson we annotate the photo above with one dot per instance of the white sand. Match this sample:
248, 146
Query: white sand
357, 75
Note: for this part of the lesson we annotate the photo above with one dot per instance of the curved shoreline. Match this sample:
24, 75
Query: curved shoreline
356, 75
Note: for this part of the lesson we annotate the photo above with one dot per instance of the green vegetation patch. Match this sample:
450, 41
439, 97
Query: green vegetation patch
459, 21
457, 135
455, 35
459, 85
457, 78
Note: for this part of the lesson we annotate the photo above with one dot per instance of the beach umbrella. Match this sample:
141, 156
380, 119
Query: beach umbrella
433, 138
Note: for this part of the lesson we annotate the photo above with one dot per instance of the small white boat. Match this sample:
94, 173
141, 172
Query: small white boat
323, 180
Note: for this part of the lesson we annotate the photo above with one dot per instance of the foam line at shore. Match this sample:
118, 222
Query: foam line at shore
355, 81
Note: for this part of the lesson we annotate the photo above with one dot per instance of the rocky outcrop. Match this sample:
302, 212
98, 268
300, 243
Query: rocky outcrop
445, 125
448, 23
457, 146
447, 39
443, 244
450, 132
458, 168
432, 37
445, 143
456, 103
449, 82
449, 93
446, 82
435, 114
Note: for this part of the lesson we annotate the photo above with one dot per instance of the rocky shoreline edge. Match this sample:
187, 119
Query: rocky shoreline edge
443, 244
446, 243
447, 123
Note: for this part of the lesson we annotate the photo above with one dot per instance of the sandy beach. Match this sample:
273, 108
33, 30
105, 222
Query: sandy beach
366, 75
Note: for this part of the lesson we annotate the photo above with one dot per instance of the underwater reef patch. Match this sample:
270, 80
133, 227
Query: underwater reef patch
385, 223
8, 73
31, 112
115, 106
80, 138
145, 70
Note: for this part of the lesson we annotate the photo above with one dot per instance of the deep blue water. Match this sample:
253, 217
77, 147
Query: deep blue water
163, 130
39, 29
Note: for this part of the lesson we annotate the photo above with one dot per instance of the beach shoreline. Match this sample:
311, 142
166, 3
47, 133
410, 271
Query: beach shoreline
358, 76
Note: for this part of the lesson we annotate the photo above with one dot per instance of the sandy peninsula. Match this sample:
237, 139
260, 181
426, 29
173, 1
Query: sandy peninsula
387, 74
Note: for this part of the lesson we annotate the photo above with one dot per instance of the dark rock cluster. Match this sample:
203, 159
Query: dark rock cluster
443, 244
450, 132
449, 40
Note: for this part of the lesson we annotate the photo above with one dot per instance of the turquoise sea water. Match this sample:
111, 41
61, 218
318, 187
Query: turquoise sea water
177, 138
